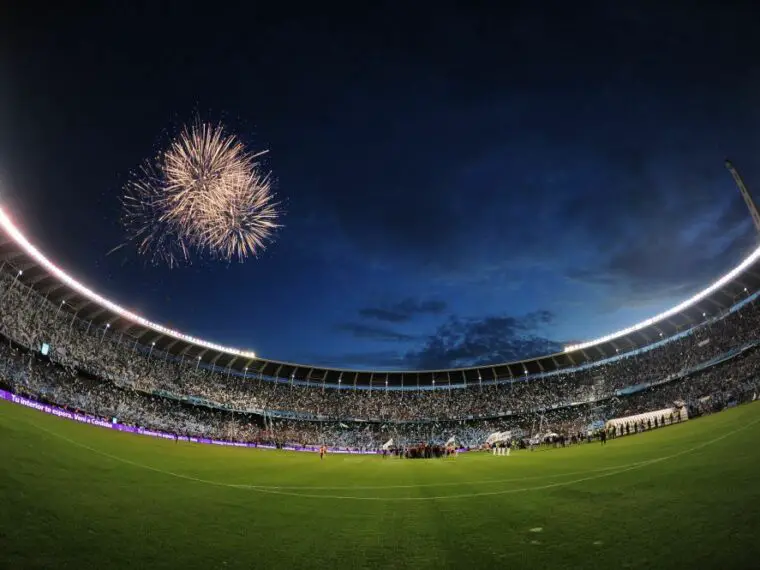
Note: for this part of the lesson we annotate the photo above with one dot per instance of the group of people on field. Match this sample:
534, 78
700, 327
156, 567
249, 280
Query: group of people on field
502, 447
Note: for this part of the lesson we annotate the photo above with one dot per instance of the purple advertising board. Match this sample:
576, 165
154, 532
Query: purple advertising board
85, 419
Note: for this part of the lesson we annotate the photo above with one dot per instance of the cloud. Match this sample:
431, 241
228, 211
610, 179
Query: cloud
673, 261
491, 340
662, 220
369, 332
470, 187
404, 310
457, 342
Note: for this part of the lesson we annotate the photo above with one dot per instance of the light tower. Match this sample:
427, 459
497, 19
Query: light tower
745, 194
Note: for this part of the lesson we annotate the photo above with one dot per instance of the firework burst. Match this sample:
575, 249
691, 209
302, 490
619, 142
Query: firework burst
243, 221
206, 194
142, 203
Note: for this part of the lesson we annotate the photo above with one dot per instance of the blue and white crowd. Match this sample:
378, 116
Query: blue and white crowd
104, 373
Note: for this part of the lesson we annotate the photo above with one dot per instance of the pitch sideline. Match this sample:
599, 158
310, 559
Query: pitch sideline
608, 472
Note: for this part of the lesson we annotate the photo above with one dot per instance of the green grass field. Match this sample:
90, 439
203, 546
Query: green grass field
77, 496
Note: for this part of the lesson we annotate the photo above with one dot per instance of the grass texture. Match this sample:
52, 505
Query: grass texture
78, 496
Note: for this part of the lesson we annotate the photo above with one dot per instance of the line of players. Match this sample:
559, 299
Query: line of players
502, 447
423, 451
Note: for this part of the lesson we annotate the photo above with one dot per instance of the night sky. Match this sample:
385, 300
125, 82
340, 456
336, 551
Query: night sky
461, 186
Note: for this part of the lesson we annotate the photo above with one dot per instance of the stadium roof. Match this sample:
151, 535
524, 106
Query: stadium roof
19, 257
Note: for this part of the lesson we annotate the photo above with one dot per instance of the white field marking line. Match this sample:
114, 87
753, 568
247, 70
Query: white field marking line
344, 487
450, 484
387, 499
511, 491
264, 488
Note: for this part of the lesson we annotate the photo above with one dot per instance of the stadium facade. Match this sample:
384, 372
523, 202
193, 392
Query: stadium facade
22, 261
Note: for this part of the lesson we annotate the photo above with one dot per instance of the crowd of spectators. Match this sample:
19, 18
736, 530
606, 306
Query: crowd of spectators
109, 375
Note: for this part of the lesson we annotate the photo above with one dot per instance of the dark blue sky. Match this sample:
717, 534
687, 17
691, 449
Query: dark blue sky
461, 185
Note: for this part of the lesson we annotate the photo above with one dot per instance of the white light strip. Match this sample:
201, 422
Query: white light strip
674, 310
34, 253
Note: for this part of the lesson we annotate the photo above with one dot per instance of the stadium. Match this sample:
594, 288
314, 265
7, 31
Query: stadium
379, 286
142, 427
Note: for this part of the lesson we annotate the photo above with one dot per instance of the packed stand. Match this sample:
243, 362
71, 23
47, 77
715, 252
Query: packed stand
30, 320
31, 375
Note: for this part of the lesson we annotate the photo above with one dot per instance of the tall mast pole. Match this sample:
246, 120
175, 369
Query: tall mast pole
745, 194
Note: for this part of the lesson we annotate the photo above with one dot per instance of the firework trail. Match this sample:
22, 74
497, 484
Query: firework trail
205, 195
142, 204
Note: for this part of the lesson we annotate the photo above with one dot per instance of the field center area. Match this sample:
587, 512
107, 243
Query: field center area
80, 496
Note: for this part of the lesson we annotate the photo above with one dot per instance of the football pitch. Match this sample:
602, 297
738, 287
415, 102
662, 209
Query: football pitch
78, 496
